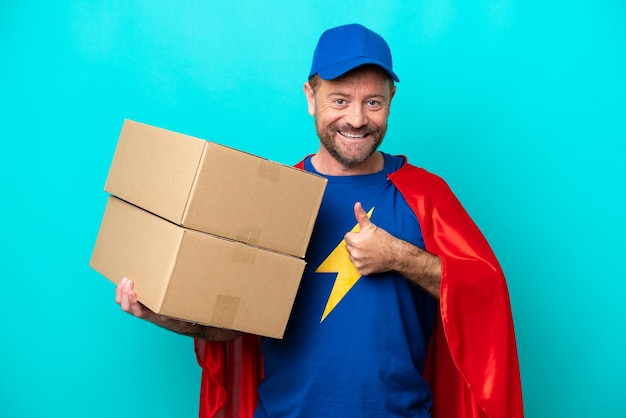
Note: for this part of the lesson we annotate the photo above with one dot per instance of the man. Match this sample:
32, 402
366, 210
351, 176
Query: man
403, 309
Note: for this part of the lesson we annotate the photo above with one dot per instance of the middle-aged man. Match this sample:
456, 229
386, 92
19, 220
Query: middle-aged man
403, 310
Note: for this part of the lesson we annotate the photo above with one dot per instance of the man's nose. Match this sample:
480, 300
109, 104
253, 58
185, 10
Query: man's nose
356, 116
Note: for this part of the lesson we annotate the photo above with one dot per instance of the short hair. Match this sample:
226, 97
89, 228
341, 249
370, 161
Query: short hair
314, 80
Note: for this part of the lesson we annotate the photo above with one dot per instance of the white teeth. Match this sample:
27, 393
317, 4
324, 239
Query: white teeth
347, 135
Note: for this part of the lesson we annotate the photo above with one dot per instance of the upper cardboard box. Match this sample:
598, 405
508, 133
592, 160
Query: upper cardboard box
215, 189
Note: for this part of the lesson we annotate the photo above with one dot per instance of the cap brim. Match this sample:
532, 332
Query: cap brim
339, 69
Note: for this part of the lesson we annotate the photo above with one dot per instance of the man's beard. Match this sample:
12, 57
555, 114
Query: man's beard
349, 156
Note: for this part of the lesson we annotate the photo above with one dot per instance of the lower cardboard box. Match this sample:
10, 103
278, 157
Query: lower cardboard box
194, 276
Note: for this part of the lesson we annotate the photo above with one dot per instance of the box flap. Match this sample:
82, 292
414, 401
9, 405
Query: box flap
154, 169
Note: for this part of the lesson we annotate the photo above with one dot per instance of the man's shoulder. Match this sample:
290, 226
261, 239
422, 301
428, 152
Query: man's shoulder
300, 165
410, 172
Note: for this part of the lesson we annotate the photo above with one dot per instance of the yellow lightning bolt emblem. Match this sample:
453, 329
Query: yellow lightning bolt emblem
347, 275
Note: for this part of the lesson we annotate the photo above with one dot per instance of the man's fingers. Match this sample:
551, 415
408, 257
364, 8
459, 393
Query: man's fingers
124, 294
118, 292
135, 306
124, 297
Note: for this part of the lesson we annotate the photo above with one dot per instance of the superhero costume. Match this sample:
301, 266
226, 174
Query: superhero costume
472, 364
358, 343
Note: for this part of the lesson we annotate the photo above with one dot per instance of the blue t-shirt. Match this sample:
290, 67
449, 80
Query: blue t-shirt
363, 354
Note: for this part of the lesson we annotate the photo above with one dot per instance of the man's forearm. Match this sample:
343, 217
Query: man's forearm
374, 250
419, 267
191, 329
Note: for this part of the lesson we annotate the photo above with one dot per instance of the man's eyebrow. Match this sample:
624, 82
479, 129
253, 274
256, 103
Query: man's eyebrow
371, 96
376, 95
338, 93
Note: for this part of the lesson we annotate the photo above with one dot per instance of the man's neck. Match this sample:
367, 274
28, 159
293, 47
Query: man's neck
324, 163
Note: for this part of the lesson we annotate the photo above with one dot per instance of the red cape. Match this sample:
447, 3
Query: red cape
472, 364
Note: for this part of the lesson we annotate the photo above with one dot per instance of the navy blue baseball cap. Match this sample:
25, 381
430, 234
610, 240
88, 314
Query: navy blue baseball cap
347, 47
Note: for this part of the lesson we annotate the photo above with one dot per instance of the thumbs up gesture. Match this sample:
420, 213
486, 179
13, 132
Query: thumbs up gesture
374, 250
371, 248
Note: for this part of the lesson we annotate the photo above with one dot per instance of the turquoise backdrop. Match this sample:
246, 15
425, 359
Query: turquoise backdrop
519, 104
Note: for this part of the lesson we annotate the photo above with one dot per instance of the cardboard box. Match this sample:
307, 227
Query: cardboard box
215, 189
195, 276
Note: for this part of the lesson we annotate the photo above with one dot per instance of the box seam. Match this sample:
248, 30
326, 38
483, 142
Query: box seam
194, 182
171, 270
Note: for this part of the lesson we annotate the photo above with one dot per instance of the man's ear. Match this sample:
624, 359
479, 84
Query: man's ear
392, 93
310, 98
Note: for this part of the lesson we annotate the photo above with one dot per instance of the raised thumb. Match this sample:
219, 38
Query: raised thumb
361, 216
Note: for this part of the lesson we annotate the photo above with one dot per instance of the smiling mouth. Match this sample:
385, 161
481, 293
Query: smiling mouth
350, 135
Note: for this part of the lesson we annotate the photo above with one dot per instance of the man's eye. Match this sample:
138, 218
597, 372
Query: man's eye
373, 103
340, 102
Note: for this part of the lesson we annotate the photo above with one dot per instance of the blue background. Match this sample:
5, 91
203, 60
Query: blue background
519, 104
